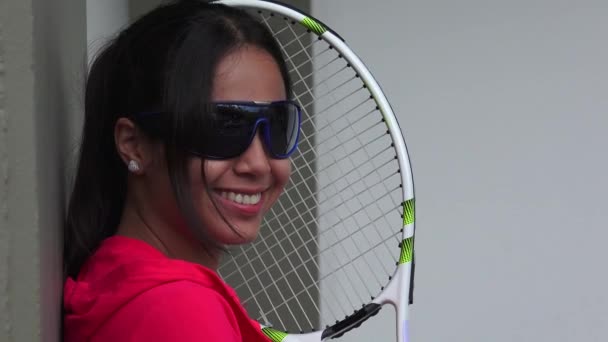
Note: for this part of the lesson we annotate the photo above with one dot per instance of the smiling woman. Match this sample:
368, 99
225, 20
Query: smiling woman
158, 191
248, 74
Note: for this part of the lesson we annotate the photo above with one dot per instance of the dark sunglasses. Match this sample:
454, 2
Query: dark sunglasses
230, 127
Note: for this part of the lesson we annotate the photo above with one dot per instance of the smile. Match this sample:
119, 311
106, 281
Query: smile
246, 199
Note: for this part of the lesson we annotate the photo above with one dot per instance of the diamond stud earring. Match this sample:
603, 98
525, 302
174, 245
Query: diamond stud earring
133, 166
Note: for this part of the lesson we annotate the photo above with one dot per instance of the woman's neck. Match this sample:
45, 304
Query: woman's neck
172, 239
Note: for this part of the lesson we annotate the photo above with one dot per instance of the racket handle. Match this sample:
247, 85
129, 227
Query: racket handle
404, 334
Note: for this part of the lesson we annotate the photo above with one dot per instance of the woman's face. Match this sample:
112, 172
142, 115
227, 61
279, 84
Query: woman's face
243, 188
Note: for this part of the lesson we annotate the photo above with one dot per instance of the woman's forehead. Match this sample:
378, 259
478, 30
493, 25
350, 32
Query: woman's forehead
248, 74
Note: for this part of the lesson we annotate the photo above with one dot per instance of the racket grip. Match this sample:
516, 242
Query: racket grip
404, 334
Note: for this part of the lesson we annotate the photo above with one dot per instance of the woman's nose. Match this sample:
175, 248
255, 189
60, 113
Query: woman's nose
255, 159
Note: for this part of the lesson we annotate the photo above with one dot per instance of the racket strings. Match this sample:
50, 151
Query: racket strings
334, 244
297, 71
277, 317
330, 123
314, 240
335, 102
291, 264
331, 240
335, 147
277, 215
286, 296
258, 256
308, 90
345, 311
292, 269
318, 71
286, 238
308, 253
337, 191
305, 178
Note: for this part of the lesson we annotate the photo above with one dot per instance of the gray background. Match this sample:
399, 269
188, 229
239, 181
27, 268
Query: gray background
504, 109
503, 104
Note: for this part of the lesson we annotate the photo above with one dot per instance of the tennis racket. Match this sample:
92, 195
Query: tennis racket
339, 243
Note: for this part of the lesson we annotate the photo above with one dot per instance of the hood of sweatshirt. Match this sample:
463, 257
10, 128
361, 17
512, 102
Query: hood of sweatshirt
120, 270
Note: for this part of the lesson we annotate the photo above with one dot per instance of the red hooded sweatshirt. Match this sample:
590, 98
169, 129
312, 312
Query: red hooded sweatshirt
129, 291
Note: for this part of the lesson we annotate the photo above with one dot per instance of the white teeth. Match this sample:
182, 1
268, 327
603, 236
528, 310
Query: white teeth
242, 198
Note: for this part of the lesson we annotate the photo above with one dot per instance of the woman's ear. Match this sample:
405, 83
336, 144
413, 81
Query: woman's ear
131, 146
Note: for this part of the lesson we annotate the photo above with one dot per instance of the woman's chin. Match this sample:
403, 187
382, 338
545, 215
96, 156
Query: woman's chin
239, 237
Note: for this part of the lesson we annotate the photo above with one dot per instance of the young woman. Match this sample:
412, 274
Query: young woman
187, 132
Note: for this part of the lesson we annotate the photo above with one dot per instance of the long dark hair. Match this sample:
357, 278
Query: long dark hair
164, 62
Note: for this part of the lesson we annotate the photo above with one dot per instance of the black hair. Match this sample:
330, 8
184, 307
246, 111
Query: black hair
164, 62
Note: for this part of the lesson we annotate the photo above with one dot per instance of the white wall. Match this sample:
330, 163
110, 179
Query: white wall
503, 104
42, 46
104, 19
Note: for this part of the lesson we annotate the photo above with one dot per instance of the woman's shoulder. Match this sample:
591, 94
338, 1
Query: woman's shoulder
182, 293
186, 300
175, 311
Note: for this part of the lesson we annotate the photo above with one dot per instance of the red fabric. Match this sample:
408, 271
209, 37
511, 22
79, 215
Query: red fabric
129, 291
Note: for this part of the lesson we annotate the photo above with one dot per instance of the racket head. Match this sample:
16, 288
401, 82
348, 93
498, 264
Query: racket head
339, 243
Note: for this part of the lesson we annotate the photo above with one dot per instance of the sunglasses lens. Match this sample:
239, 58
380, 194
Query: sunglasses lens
227, 132
283, 129
229, 129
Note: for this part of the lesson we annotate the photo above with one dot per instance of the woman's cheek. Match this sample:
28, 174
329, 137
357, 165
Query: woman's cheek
282, 171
